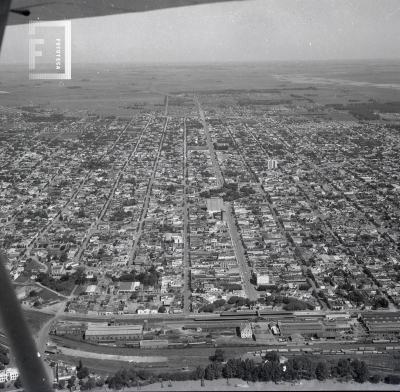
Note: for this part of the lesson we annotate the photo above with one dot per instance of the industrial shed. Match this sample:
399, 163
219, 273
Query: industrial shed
65, 329
382, 324
117, 332
303, 328
328, 335
337, 325
153, 343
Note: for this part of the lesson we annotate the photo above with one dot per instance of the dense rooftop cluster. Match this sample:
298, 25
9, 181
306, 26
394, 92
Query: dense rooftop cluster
223, 195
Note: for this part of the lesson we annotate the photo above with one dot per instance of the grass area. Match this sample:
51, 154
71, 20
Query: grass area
65, 288
22, 279
36, 319
105, 367
48, 295
35, 265
68, 289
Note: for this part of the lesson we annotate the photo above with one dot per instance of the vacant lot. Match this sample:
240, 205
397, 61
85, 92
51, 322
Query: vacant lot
36, 319
48, 295
105, 367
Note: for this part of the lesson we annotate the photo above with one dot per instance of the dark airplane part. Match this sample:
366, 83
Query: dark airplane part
30, 366
33, 374
64, 9
4, 8
21, 12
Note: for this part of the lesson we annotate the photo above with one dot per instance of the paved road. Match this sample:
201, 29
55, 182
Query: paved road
218, 172
237, 243
166, 104
147, 197
186, 265
43, 334
251, 292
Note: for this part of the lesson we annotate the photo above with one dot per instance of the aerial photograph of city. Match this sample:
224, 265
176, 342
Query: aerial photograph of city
206, 197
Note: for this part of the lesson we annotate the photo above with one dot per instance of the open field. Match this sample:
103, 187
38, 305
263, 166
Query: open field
48, 295
125, 89
104, 367
22, 279
341, 116
36, 319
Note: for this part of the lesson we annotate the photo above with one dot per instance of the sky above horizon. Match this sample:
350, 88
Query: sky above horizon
253, 30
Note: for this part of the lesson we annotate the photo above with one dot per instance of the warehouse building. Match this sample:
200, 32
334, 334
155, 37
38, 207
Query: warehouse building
308, 328
382, 323
153, 343
68, 329
215, 204
328, 335
102, 331
337, 326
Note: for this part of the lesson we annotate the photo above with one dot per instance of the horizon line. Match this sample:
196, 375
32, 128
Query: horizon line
210, 62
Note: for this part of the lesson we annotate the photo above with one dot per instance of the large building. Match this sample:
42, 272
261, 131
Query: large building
58, 271
153, 343
262, 280
337, 326
215, 204
92, 289
128, 287
245, 331
329, 329
63, 371
10, 374
102, 331
69, 329
387, 323
305, 328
